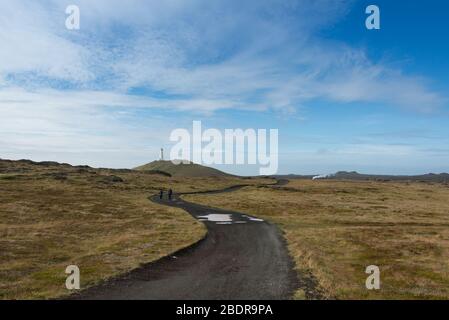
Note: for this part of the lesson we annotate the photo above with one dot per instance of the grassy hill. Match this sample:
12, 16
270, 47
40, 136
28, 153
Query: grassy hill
185, 169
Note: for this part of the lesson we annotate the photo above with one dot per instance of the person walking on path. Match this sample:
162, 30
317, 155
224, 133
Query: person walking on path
170, 194
161, 194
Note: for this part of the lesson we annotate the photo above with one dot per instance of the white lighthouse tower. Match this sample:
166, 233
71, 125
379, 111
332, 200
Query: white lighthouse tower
161, 157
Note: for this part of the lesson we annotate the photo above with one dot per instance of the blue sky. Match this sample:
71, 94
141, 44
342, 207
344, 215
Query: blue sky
342, 97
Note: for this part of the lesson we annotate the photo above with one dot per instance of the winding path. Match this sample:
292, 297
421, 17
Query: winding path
242, 257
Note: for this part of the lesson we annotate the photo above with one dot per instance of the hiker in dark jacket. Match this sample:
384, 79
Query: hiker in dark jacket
161, 194
170, 194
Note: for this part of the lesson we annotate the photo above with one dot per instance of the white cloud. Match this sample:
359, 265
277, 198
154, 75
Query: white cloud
32, 46
217, 55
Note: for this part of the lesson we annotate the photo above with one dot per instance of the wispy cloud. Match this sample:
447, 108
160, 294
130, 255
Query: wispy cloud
222, 53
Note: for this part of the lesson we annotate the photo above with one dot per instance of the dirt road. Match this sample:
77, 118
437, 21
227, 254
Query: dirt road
242, 257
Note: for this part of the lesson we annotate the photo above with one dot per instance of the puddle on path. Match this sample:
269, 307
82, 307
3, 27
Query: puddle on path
226, 219
215, 217
253, 219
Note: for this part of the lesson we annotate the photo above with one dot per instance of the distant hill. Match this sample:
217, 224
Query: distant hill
293, 176
185, 169
430, 177
353, 175
56, 168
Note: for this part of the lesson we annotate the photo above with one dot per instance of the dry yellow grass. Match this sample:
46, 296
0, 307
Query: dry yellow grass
55, 216
335, 229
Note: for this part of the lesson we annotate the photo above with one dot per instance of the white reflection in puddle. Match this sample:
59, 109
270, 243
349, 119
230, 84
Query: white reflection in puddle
215, 217
226, 219
252, 218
